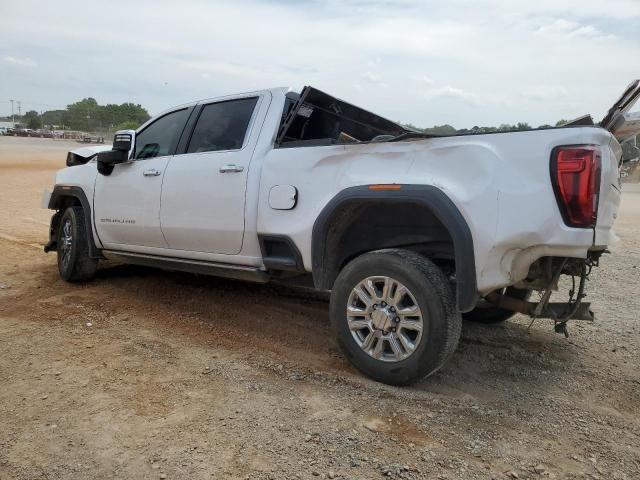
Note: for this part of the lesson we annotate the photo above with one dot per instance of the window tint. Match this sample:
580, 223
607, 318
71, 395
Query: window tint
160, 138
222, 126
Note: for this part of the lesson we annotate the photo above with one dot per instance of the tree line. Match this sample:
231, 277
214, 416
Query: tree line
88, 116
505, 127
628, 147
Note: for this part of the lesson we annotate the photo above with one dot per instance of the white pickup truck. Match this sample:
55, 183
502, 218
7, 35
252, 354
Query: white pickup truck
410, 232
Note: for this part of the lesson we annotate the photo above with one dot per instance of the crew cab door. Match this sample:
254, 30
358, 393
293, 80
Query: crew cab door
203, 194
127, 202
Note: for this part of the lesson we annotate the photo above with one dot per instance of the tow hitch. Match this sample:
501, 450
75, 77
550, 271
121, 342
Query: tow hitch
554, 310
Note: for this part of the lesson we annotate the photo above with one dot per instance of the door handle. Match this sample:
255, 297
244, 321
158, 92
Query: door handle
231, 168
151, 173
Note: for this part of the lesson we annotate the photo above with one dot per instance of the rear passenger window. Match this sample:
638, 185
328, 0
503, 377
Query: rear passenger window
222, 126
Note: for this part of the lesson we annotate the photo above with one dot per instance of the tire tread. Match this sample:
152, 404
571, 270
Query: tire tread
83, 267
443, 332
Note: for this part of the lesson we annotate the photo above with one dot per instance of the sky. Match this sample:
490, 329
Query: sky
458, 62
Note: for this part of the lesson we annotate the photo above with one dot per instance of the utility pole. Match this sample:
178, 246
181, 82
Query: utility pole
12, 111
19, 110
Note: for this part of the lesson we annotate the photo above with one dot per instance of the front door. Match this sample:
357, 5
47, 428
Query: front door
203, 193
127, 202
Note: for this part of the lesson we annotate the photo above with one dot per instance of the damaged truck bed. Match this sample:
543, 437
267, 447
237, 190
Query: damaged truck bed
408, 231
314, 118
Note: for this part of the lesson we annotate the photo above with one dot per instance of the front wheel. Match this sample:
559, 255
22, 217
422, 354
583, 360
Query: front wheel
74, 262
394, 314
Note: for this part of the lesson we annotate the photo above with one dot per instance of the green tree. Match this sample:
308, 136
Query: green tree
128, 125
503, 127
32, 120
82, 115
88, 116
53, 117
440, 130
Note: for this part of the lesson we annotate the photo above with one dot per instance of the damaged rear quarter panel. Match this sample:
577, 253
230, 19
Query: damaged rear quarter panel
462, 170
500, 183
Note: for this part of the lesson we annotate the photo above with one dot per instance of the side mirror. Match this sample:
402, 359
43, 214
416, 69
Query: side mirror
123, 143
123, 140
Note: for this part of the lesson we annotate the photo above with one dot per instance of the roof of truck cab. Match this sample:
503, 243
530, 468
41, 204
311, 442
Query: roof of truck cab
276, 91
273, 91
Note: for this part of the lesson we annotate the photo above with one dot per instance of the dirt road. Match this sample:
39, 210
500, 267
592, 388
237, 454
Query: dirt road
145, 374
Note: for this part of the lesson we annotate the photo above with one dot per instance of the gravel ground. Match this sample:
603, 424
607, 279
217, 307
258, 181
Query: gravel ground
147, 374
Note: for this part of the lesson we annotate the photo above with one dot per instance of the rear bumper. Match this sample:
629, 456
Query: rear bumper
523, 259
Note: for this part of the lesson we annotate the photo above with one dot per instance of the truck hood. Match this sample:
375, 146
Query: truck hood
80, 156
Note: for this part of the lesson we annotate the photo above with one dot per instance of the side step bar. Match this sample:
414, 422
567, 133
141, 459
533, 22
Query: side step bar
239, 272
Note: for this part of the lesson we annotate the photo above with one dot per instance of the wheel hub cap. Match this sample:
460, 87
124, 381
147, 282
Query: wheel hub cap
384, 318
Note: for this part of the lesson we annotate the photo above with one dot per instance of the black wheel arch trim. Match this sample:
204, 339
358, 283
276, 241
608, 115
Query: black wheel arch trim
56, 202
425, 195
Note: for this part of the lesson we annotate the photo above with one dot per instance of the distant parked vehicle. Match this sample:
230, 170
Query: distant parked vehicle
42, 133
91, 139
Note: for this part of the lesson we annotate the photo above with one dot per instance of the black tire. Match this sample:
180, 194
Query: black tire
490, 314
74, 262
433, 294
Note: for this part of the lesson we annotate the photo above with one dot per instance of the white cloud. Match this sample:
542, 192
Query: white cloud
426, 80
566, 28
20, 61
453, 92
521, 61
209, 67
545, 92
374, 79
622, 10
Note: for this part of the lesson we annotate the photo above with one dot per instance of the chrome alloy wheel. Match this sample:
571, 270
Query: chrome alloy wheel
67, 242
384, 318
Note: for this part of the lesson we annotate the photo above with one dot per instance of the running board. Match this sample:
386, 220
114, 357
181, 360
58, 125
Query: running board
238, 272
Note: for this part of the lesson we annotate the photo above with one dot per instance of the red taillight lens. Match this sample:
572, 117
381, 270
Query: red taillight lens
575, 173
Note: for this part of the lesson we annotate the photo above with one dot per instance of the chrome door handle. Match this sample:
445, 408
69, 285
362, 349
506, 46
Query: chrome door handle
231, 168
151, 173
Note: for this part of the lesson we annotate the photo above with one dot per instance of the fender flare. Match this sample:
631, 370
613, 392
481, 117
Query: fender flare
56, 202
426, 196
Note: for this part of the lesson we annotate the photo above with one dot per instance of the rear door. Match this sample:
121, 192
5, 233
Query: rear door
127, 202
203, 194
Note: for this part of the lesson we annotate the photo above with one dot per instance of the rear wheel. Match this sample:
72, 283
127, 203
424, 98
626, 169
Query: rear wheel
488, 313
74, 262
393, 312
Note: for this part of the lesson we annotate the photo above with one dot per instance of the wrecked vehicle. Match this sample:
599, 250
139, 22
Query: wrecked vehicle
409, 232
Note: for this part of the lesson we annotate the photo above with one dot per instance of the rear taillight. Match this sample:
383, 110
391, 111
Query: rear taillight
575, 174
